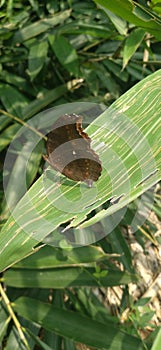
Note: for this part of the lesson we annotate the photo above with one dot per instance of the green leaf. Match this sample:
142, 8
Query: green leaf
37, 58
46, 98
65, 323
13, 341
8, 134
119, 246
39, 27
65, 277
16, 80
66, 55
135, 13
116, 69
108, 82
22, 170
131, 44
118, 22
128, 136
12, 100
156, 6
156, 344
90, 78
49, 257
4, 321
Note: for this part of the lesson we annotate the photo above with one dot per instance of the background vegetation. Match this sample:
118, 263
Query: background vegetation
54, 53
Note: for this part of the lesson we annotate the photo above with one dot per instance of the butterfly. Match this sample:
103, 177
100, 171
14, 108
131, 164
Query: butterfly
69, 150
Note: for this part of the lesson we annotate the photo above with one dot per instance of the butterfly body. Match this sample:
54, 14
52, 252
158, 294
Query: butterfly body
69, 150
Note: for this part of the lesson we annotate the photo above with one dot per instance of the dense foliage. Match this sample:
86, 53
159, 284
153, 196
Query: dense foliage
52, 53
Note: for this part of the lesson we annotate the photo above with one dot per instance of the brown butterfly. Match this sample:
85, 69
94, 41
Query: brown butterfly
69, 150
